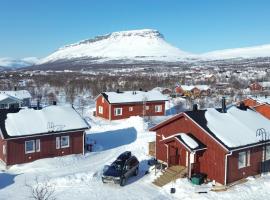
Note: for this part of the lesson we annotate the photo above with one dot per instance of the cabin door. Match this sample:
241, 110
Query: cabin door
173, 155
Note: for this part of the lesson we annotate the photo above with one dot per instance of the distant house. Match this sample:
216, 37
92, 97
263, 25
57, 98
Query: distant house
193, 90
28, 134
255, 87
210, 78
221, 143
120, 105
7, 102
23, 95
260, 104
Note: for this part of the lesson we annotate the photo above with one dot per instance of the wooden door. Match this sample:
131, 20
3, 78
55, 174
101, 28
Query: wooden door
173, 155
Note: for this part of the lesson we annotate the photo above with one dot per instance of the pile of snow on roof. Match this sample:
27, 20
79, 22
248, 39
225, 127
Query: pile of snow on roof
236, 127
135, 96
52, 118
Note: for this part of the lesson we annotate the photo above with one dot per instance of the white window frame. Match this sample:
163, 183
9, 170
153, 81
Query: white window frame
37, 145
68, 143
57, 142
248, 158
116, 111
33, 144
243, 163
146, 107
267, 152
158, 108
130, 109
4, 150
100, 109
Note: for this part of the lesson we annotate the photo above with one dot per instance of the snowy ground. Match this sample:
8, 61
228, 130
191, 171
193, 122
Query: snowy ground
79, 176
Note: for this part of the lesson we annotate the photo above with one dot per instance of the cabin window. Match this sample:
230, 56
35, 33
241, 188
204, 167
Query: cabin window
130, 109
158, 108
64, 141
146, 107
3, 106
243, 159
30, 146
117, 111
267, 152
100, 109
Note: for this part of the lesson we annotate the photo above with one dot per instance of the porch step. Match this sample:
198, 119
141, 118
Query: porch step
170, 174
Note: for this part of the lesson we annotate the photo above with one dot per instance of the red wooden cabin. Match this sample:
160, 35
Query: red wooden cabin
28, 134
219, 143
121, 105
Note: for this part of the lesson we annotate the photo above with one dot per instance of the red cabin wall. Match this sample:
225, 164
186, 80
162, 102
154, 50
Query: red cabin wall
105, 105
16, 148
212, 160
137, 110
235, 174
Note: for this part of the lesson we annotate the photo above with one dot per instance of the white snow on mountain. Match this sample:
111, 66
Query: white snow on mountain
17, 63
247, 52
145, 44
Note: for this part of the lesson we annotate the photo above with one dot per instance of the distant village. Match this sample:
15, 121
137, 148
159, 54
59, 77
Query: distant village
215, 123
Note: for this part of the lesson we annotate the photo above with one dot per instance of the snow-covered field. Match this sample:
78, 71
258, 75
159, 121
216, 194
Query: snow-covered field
79, 176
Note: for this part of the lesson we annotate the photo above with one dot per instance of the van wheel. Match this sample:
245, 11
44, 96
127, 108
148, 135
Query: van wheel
123, 181
136, 172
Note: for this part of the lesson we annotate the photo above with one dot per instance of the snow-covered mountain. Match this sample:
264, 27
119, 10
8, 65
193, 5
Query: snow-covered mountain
17, 63
145, 44
247, 52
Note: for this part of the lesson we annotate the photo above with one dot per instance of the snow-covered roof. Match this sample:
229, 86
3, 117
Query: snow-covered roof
191, 87
265, 84
5, 96
19, 94
188, 140
187, 87
236, 127
261, 100
49, 119
134, 96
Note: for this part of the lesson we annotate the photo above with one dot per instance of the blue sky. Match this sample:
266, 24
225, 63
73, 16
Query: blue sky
39, 27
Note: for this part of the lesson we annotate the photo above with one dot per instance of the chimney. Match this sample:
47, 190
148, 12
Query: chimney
54, 103
224, 109
141, 89
195, 107
15, 88
265, 96
38, 104
117, 91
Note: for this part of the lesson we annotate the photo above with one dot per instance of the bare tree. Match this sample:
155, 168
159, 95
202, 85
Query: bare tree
41, 190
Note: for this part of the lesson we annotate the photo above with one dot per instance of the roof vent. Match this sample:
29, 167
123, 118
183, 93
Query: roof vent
117, 91
195, 107
224, 109
141, 89
242, 106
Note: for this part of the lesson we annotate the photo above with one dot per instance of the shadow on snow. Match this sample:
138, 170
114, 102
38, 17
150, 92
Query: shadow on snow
6, 180
112, 139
